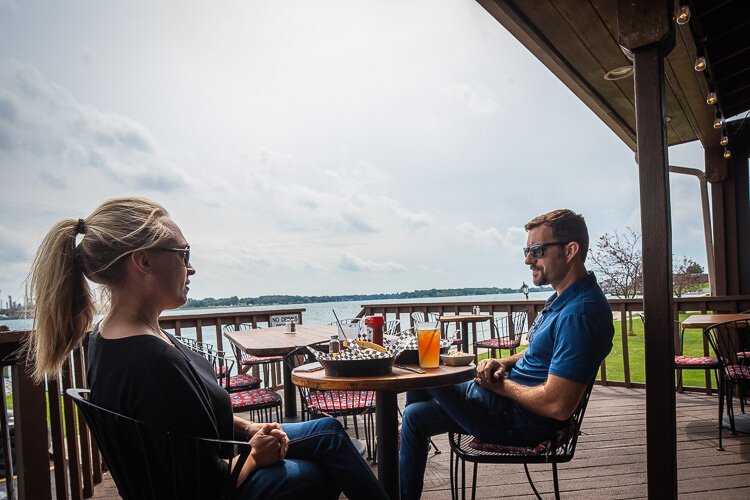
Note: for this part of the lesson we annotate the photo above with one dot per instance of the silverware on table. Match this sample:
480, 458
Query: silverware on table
410, 369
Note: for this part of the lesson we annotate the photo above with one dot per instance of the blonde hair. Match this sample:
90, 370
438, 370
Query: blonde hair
63, 301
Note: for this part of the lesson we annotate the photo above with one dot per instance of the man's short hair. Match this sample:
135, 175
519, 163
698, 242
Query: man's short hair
566, 225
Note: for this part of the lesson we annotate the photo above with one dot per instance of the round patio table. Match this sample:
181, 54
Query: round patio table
386, 388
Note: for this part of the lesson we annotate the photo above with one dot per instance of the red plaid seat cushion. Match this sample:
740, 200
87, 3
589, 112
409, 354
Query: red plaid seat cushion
254, 398
743, 355
328, 401
257, 360
499, 343
243, 381
562, 438
696, 361
737, 372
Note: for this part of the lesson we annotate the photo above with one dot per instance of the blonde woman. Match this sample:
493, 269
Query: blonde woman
132, 248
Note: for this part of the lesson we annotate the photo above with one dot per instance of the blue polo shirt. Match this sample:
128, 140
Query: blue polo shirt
570, 338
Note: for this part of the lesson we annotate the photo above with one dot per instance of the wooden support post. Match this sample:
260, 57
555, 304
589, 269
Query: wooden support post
646, 29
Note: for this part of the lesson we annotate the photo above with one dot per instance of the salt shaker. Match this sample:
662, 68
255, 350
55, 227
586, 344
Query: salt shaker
334, 345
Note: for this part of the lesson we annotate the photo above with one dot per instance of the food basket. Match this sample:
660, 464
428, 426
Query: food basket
358, 359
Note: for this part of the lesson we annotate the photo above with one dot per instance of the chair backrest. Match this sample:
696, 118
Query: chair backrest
418, 316
576, 420
148, 462
512, 325
391, 327
728, 340
223, 367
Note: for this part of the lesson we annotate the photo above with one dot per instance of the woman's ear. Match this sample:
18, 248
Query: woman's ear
141, 262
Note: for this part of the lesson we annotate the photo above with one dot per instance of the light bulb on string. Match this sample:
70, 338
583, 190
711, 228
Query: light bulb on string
724, 140
727, 154
711, 98
718, 122
700, 63
683, 14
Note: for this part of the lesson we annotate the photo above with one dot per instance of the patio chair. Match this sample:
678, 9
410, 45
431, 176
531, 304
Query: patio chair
418, 316
223, 367
729, 341
148, 462
392, 327
682, 362
559, 448
261, 402
336, 403
270, 365
508, 333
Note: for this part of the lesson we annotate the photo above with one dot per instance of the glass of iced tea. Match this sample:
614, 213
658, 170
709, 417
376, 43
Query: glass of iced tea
428, 344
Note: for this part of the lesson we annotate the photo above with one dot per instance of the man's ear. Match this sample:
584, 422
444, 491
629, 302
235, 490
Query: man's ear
141, 260
571, 250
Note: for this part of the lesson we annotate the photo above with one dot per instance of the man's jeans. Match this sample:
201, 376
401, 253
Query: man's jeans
466, 408
321, 462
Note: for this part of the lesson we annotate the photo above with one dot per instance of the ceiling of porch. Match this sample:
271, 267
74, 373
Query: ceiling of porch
578, 41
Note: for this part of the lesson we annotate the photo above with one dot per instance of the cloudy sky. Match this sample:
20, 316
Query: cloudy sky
322, 147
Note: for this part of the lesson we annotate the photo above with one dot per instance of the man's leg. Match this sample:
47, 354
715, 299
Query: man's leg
457, 408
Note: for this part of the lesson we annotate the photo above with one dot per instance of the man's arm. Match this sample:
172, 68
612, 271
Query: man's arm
556, 398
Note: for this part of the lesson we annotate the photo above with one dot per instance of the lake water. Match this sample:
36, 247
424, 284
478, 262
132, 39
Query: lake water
321, 313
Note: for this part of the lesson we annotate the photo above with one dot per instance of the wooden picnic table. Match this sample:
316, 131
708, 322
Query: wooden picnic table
275, 341
386, 388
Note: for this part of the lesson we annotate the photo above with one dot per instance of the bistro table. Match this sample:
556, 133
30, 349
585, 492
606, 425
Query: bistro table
469, 319
386, 388
275, 341
703, 321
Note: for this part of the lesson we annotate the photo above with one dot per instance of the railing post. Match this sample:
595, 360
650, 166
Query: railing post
32, 455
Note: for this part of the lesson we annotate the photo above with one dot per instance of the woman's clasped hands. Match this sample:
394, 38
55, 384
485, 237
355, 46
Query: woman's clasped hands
269, 445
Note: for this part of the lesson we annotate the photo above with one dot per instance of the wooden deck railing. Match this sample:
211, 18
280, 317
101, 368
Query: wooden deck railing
499, 308
65, 436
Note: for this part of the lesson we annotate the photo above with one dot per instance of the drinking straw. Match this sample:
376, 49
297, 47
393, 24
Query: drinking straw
338, 323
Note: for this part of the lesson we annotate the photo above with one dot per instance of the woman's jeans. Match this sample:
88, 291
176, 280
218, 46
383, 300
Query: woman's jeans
321, 463
466, 408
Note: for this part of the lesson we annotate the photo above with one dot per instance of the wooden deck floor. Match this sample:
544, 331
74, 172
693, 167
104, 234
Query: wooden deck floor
610, 460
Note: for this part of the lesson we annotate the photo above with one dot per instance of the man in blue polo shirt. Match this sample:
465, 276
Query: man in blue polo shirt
523, 398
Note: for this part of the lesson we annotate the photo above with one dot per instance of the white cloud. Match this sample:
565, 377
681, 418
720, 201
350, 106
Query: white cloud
474, 98
350, 262
490, 239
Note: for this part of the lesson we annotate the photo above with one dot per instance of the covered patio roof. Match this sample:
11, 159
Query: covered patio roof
578, 40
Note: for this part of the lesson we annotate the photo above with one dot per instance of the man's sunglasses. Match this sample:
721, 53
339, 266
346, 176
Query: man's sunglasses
537, 250
184, 251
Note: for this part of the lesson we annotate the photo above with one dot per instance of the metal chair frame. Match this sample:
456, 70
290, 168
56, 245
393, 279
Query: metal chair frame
561, 453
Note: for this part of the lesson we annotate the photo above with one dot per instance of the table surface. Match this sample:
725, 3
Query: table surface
275, 341
706, 320
465, 317
398, 381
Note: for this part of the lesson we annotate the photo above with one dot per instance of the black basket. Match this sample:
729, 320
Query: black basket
358, 367
411, 356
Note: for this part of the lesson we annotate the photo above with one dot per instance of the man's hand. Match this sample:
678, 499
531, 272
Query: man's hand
490, 371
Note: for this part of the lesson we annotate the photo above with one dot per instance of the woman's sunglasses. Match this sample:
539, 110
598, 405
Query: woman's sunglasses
184, 251
537, 250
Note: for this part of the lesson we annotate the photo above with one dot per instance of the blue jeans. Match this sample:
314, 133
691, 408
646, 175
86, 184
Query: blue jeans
321, 463
466, 408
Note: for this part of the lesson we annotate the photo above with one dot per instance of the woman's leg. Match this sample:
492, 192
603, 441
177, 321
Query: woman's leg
289, 479
325, 442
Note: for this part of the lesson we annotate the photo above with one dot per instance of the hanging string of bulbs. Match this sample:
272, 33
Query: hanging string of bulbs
682, 17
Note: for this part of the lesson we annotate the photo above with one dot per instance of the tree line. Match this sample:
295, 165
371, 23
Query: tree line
267, 300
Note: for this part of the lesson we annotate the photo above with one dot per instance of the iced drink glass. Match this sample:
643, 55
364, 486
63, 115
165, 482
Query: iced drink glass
428, 344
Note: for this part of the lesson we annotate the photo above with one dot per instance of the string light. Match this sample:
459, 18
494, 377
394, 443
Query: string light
718, 122
683, 14
700, 63
711, 98
727, 154
724, 140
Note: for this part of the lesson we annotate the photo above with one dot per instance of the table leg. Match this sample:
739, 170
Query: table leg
290, 398
465, 336
386, 429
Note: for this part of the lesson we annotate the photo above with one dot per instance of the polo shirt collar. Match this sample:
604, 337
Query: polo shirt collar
555, 302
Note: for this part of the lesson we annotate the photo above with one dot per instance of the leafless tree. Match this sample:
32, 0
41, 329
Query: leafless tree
687, 275
617, 261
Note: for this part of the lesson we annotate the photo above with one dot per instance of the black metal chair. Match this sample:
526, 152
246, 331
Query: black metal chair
336, 403
261, 402
148, 462
559, 448
508, 333
731, 343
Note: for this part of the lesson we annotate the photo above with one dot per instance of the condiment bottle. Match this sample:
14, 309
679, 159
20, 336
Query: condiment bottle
334, 346
375, 324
